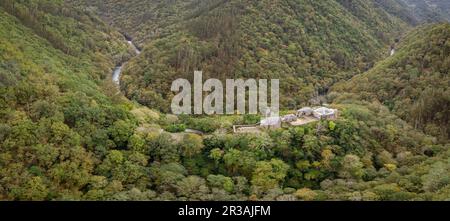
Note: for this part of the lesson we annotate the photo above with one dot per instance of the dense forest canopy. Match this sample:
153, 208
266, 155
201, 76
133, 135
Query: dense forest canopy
429, 10
414, 83
67, 132
307, 51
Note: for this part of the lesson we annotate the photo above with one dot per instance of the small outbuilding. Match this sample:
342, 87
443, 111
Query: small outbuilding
271, 123
289, 118
325, 113
306, 111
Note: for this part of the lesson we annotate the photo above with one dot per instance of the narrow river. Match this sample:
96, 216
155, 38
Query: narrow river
118, 70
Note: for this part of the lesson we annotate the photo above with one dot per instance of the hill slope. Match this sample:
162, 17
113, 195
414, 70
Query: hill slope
55, 65
309, 45
429, 10
414, 83
65, 134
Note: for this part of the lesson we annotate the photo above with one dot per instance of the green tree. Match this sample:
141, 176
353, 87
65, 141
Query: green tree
269, 174
351, 167
120, 132
191, 145
222, 182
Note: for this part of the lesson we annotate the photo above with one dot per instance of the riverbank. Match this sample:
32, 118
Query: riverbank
118, 69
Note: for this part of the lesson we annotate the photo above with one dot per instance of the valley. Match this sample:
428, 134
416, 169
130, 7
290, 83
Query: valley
85, 100
118, 69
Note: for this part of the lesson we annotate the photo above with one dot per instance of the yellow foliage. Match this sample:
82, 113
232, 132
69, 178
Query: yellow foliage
390, 167
305, 194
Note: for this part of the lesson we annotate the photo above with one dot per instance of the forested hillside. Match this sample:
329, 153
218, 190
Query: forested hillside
66, 132
309, 45
414, 83
55, 119
429, 10
144, 19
